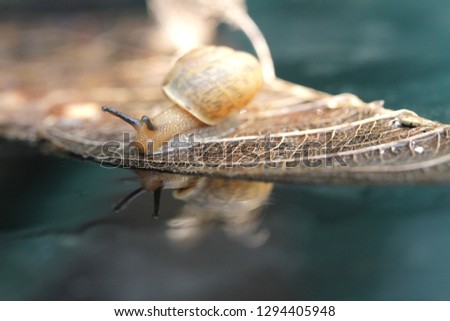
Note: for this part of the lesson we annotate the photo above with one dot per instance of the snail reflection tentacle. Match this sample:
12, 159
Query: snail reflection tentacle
137, 192
128, 199
156, 201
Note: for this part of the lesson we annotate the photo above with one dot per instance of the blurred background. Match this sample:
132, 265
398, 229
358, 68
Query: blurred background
60, 240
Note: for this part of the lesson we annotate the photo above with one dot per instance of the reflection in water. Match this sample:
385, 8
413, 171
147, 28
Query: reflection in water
235, 205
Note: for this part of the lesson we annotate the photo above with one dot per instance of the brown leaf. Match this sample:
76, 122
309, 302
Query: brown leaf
54, 88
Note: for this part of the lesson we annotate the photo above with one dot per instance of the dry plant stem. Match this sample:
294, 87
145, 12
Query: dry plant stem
251, 29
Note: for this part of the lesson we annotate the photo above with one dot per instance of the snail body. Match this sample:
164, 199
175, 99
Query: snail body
206, 85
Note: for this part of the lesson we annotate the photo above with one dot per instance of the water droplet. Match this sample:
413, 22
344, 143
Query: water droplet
419, 149
396, 123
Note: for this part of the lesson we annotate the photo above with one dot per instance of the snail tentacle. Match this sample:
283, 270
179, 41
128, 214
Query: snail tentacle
129, 119
148, 123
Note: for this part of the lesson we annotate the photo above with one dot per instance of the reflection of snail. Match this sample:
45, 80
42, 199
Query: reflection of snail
206, 85
234, 204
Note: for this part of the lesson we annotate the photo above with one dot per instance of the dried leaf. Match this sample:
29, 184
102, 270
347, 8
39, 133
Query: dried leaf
53, 91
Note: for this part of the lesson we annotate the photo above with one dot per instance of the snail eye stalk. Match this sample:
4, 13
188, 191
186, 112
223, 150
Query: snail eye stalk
127, 118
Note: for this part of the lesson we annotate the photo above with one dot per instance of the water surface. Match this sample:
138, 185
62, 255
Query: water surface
61, 240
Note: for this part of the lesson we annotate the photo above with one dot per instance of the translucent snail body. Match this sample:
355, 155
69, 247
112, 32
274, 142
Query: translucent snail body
206, 85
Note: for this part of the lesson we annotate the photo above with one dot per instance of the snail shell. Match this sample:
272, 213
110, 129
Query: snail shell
213, 82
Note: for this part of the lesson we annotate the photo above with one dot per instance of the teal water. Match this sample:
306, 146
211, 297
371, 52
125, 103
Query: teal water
59, 238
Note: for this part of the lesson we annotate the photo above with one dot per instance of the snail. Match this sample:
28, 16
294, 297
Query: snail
206, 85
